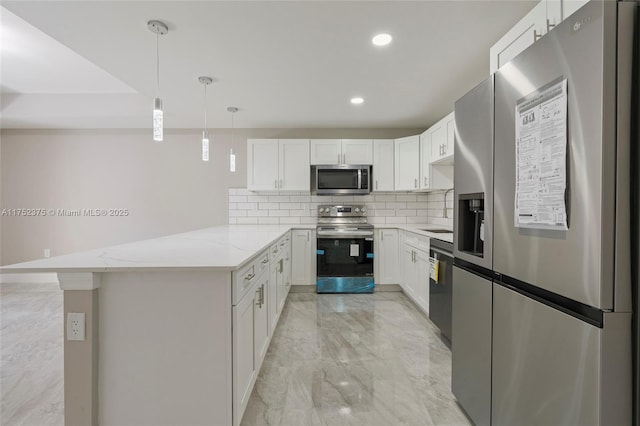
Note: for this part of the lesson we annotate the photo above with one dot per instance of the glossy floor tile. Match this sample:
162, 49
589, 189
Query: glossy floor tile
31, 347
354, 360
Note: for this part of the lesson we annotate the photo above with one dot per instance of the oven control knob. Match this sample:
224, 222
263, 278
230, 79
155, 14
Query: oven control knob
321, 209
363, 210
357, 210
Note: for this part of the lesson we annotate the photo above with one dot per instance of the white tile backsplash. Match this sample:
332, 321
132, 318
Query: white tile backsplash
246, 207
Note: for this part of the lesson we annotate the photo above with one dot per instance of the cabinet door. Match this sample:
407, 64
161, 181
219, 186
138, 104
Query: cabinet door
357, 151
287, 274
262, 164
438, 140
422, 268
521, 36
450, 125
243, 353
326, 151
301, 273
387, 256
261, 330
409, 277
425, 160
570, 6
295, 171
272, 296
407, 163
383, 165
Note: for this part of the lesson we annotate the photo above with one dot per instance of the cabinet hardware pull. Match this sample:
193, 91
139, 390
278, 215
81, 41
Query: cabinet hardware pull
338, 158
376, 183
258, 298
549, 25
536, 36
276, 184
425, 181
415, 183
249, 277
264, 262
262, 295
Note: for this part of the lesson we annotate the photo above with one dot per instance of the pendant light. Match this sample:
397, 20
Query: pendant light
205, 133
232, 156
158, 28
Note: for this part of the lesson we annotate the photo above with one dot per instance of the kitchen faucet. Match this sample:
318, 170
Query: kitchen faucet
444, 209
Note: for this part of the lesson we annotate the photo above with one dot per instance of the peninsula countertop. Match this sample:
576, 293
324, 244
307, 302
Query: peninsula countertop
225, 247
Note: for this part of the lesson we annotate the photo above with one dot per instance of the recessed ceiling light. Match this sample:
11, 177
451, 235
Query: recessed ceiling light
381, 39
357, 100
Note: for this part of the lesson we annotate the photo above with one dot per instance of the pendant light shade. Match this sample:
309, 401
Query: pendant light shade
158, 28
232, 156
205, 133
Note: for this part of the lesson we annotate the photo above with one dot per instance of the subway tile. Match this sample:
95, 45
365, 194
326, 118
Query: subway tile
406, 197
341, 199
257, 213
257, 198
376, 205
322, 199
290, 206
299, 213
278, 198
247, 206
395, 205
279, 213
233, 220
233, 191
308, 220
237, 198
233, 206
300, 198
384, 197
418, 205
405, 212
237, 213
268, 220
244, 191
384, 212
247, 221
289, 220
268, 206
361, 199
377, 220
416, 220
396, 220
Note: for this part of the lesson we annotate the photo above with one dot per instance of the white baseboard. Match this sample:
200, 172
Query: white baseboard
37, 278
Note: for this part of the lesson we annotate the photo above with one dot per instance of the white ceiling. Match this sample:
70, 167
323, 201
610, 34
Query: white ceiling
295, 64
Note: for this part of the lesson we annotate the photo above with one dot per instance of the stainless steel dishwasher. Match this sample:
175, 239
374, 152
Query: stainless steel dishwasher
441, 285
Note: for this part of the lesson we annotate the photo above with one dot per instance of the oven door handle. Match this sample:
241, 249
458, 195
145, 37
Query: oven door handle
359, 179
344, 234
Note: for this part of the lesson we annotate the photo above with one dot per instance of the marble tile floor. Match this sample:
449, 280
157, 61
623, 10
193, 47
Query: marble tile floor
31, 355
354, 360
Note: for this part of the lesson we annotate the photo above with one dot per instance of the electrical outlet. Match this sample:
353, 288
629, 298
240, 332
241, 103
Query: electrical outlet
75, 326
47, 252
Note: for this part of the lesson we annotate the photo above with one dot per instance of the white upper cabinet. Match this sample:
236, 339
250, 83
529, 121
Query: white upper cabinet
262, 164
539, 21
278, 165
570, 6
442, 140
295, 171
425, 159
407, 163
341, 151
383, 166
326, 151
357, 151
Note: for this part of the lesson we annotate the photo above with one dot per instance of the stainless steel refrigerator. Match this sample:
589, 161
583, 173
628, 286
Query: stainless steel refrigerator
562, 290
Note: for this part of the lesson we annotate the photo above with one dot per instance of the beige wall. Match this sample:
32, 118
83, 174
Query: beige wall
165, 186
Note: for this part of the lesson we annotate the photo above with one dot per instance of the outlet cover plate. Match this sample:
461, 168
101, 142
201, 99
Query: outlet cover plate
75, 326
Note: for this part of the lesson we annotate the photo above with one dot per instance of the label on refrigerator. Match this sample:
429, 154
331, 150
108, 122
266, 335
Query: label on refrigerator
354, 250
434, 269
541, 158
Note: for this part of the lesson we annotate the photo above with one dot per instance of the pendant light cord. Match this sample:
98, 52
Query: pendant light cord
205, 107
158, 64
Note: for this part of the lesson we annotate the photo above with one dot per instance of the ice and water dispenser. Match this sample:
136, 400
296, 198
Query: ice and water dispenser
471, 224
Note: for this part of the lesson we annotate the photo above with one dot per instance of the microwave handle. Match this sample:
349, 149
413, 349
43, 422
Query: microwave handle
359, 179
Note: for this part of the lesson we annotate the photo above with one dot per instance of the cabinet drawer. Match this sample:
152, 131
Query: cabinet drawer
246, 276
417, 241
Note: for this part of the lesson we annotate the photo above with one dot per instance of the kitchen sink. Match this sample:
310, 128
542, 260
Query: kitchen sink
438, 231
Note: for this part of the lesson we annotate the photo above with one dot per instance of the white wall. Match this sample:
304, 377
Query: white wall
165, 186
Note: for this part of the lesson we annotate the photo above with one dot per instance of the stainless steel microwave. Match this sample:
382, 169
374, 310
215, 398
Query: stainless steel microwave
341, 180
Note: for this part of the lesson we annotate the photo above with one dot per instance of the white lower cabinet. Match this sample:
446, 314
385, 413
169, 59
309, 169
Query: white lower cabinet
303, 257
387, 257
415, 262
261, 326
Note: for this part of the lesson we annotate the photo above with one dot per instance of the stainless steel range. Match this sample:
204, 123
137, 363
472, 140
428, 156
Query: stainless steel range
344, 250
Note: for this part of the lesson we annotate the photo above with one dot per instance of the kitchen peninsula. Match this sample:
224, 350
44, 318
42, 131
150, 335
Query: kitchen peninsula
176, 327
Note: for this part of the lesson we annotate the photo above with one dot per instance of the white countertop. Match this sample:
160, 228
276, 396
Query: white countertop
221, 247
